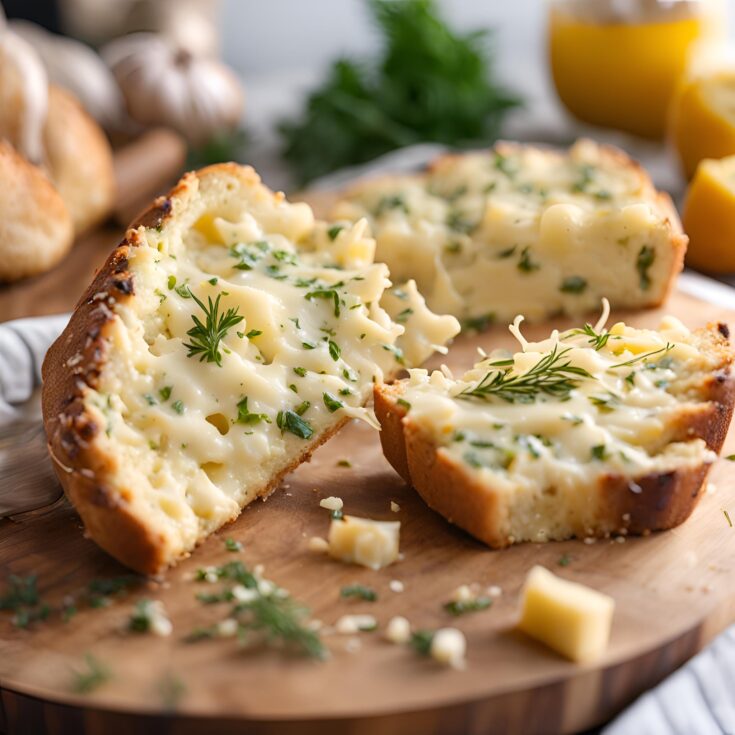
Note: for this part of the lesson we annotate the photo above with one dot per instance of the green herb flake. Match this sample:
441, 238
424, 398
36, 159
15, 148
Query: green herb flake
171, 282
573, 285
300, 371
344, 463
178, 407
564, 560
644, 261
165, 392
403, 402
461, 607
332, 403
525, 264
92, 676
334, 350
245, 416
325, 294
254, 333
360, 592
421, 641
232, 545
599, 452
334, 231
404, 316
290, 421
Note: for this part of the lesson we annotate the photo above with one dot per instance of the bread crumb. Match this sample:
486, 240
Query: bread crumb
351, 624
395, 585
494, 591
394, 506
463, 593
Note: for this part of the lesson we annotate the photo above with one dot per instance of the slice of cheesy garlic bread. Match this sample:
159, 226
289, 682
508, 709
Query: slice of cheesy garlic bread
226, 337
587, 433
522, 229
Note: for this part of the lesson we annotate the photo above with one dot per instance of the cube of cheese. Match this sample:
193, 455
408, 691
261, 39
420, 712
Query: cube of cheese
361, 541
572, 619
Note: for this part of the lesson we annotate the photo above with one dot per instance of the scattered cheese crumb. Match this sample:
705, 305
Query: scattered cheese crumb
318, 544
589, 540
331, 503
463, 593
711, 488
395, 585
494, 591
394, 506
244, 594
227, 627
350, 624
398, 630
449, 646
372, 544
159, 622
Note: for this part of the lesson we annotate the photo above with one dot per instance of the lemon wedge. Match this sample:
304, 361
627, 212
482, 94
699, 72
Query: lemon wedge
702, 119
709, 216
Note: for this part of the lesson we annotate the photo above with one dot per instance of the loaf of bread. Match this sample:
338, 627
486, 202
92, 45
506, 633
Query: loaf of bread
226, 338
523, 229
584, 434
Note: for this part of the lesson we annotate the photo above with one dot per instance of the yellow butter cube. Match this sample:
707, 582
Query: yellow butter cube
361, 541
572, 619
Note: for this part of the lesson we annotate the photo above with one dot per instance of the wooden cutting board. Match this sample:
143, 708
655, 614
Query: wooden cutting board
674, 591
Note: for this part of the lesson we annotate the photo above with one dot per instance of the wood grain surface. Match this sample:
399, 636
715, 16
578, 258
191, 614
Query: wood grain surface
673, 590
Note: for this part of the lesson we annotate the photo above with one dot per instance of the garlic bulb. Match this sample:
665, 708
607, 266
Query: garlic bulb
26, 85
76, 67
165, 84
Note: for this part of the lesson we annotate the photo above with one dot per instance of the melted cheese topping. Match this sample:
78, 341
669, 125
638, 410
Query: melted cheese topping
618, 411
199, 435
481, 231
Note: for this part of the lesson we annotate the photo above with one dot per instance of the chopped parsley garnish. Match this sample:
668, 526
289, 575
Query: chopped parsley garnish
507, 253
586, 175
573, 284
552, 375
213, 281
300, 371
404, 316
332, 403
460, 607
599, 452
360, 592
333, 231
171, 282
245, 416
254, 333
605, 404
525, 264
178, 406
504, 165
248, 254
646, 257
308, 345
206, 336
141, 620
302, 408
453, 247
232, 545
334, 350
165, 392
327, 294
293, 423
403, 402
564, 560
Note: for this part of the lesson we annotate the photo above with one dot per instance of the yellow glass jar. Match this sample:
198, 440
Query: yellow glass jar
616, 63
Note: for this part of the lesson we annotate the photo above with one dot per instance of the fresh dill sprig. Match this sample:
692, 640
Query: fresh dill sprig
597, 340
552, 375
91, 677
265, 609
206, 338
643, 357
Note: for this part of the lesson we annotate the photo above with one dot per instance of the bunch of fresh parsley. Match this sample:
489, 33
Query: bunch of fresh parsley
430, 84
